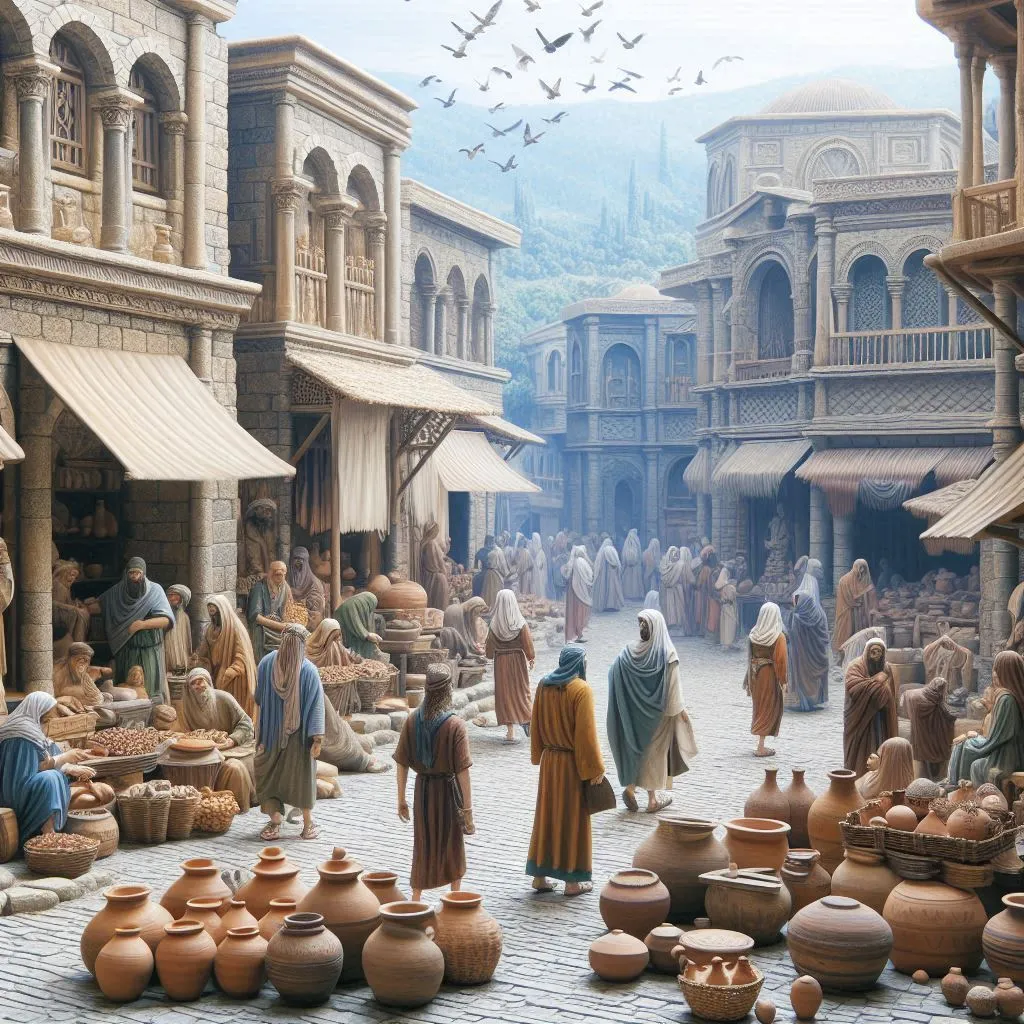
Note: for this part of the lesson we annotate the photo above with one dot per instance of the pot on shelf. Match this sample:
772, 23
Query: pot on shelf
757, 842
826, 813
634, 901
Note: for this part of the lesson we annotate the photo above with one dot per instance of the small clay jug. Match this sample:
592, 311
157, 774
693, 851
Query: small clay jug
273, 875
805, 997
955, 987
200, 878
468, 937
826, 813
271, 921
1003, 939
124, 966
1009, 999
717, 975
768, 801
128, 906
743, 973
618, 957
98, 823
240, 964
206, 912
800, 797
237, 916
402, 963
634, 901
383, 885
184, 960
304, 960
805, 878
660, 943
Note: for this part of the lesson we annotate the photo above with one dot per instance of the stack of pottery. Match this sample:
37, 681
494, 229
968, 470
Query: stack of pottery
304, 960
402, 963
702, 945
634, 901
800, 797
768, 801
200, 879
840, 942
618, 956
753, 902
184, 960
1003, 939
826, 814
679, 851
128, 906
757, 842
468, 937
722, 990
864, 876
240, 964
273, 876
805, 878
124, 966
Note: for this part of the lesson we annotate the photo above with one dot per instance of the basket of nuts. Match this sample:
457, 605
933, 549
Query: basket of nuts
143, 810
216, 811
60, 854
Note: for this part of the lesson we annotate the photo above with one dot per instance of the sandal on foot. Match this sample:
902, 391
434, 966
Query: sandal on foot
660, 803
543, 888
270, 832
509, 740
629, 799
310, 832
583, 890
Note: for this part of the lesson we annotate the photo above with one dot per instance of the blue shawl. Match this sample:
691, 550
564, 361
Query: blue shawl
120, 609
572, 664
425, 732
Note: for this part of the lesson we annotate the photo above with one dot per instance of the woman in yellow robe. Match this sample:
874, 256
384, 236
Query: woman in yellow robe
563, 741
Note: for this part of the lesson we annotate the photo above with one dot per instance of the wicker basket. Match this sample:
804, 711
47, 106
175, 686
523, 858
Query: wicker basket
721, 1002
372, 690
181, 816
106, 767
61, 863
132, 712
344, 697
180, 773
176, 686
967, 876
72, 727
143, 820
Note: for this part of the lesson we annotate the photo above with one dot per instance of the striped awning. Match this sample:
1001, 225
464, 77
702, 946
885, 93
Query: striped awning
465, 461
697, 475
756, 469
10, 450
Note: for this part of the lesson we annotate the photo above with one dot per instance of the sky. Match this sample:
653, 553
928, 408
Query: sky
775, 38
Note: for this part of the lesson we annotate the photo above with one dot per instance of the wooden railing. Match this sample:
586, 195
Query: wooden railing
970, 344
360, 300
761, 369
677, 390
310, 286
550, 485
985, 210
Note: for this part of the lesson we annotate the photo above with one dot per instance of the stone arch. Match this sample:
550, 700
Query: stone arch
577, 388
618, 474
922, 292
675, 492
319, 165
727, 187
480, 315
912, 245
772, 288
808, 170
91, 40
424, 284
870, 304
360, 183
160, 66
756, 259
845, 265
15, 33
553, 372
454, 344
712, 197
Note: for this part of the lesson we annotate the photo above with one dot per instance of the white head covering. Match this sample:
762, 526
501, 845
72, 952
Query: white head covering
25, 722
809, 585
582, 575
658, 649
768, 627
607, 554
507, 621
652, 602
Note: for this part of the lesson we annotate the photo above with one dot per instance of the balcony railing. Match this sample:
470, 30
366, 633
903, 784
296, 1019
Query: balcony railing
550, 485
360, 304
971, 344
985, 210
761, 369
677, 390
310, 286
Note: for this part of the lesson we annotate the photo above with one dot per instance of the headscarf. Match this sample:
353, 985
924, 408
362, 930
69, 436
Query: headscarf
581, 575
652, 602
193, 710
809, 584
536, 545
895, 769
303, 581
355, 616
607, 554
183, 592
230, 639
652, 555
122, 606
451, 640
572, 664
471, 612
25, 721
507, 620
768, 627
324, 647
265, 504
285, 678
425, 730
631, 550
861, 578
1008, 677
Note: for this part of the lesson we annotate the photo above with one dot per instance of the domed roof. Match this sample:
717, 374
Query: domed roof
640, 293
830, 95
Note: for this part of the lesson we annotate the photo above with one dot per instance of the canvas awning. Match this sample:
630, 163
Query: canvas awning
697, 475
756, 469
507, 431
10, 450
156, 417
933, 506
465, 461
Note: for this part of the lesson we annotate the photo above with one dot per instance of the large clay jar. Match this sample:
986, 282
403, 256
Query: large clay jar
200, 879
864, 876
827, 812
768, 801
240, 965
383, 884
634, 901
754, 903
237, 916
841, 942
1003, 939
403, 594
273, 876
679, 851
124, 966
128, 906
468, 937
800, 797
349, 909
757, 842
271, 921
207, 913
805, 997
304, 960
403, 964
97, 823
805, 878
618, 956
378, 585
934, 927
184, 960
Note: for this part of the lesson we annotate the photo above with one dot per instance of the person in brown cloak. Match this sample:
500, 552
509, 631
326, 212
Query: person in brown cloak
932, 724
870, 716
855, 600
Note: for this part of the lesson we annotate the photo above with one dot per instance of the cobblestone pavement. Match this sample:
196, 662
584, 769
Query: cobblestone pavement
543, 975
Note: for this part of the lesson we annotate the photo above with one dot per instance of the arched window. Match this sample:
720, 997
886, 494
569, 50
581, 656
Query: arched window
727, 190
870, 307
922, 294
621, 378
69, 128
835, 162
555, 373
713, 190
146, 135
576, 375
677, 494
775, 314
421, 308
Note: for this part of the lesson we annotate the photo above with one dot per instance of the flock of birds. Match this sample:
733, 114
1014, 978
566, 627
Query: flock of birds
628, 81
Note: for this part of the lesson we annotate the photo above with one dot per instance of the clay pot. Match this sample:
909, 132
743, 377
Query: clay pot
800, 797
200, 879
618, 957
757, 842
237, 916
964, 791
128, 906
679, 851
403, 594
349, 909
969, 822
124, 966
981, 1001
768, 801
901, 817
274, 876
378, 585
383, 884
865, 877
634, 901
468, 937
271, 921
754, 903
207, 913
1003, 939
184, 960
304, 960
955, 987
1009, 999
934, 927
240, 964
841, 942
932, 825
660, 943
805, 878
403, 964
805, 997
827, 812
764, 1011
97, 824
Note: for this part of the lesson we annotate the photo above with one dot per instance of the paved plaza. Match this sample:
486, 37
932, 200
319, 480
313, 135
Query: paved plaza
543, 975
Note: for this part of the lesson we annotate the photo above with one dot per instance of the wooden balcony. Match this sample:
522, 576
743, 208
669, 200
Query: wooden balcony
677, 390
310, 286
761, 369
985, 210
970, 344
360, 301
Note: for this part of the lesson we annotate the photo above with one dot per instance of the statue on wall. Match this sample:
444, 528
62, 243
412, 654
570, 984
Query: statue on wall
68, 611
259, 543
775, 580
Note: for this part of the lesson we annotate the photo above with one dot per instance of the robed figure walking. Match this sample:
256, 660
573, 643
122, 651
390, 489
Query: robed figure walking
579, 593
632, 567
810, 655
767, 676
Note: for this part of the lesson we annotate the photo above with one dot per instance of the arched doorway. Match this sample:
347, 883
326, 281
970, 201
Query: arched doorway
870, 306
922, 293
622, 378
774, 313
680, 506
625, 509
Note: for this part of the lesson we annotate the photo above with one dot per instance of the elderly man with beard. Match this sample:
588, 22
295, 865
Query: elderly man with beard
870, 716
75, 677
226, 651
265, 610
203, 707
178, 644
291, 733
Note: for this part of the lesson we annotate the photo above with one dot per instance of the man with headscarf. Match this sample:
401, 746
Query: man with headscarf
291, 732
676, 580
767, 676
579, 593
632, 567
855, 600
869, 716
259, 542
497, 576
226, 651
480, 565
705, 597
74, 615
178, 642
265, 610
652, 565
558, 557
932, 724
74, 677
648, 728
810, 645
728, 617
945, 657
435, 745
204, 707
307, 589
608, 595
137, 615
510, 646
539, 587
433, 570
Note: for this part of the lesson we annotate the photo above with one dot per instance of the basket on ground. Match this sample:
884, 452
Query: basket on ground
143, 818
57, 862
372, 688
181, 816
721, 1002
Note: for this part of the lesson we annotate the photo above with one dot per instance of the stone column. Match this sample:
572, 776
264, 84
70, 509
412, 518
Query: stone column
896, 285
393, 255
819, 546
978, 68
287, 195
335, 217
200, 500
949, 299
842, 546
842, 294
199, 31
705, 342
489, 310
965, 60
429, 293
803, 333
1006, 71
463, 307
441, 330
718, 367
33, 81
377, 235
174, 125
115, 107
9, 115
826, 235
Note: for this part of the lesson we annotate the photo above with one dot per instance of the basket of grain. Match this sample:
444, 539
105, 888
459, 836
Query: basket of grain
60, 854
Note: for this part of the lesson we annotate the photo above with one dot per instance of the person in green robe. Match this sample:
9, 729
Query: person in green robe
356, 618
1000, 751
265, 610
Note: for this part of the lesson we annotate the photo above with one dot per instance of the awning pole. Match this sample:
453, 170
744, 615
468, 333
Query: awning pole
423, 460
335, 419
310, 438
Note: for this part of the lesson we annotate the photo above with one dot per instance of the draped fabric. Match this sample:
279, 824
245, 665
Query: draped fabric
608, 596
767, 673
25, 722
356, 619
884, 495
768, 627
428, 500
810, 653
226, 650
895, 769
869, 714
580, 575
507, 620
312, 492
264, 602
33, 795
855, 599
360, 438
932, 722
632, 569
652, 565
122, 606
677, 581
572, 664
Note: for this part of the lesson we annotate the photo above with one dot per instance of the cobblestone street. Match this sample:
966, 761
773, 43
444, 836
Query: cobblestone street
543, 975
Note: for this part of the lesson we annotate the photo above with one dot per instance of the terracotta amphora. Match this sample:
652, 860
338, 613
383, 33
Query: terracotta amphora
757, 842
864, 876
955, 987
468, 937
403, 964
805, 878
383, 884
271, 921
236, 915
184, 960
124, 966
200, 879
800, 797
128, 906
826, 813
634, 901
304, 960
207, 913
1003, 939
768, 801
240, 964
274, 875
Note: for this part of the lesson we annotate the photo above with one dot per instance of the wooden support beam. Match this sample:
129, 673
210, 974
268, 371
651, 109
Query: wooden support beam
310, 438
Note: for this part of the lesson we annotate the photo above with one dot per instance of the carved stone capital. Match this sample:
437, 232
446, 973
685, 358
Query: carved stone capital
33, 78
288, 193
896, 285
336, 211
842, 292
174, 122
823, 227
116, 108
376, 235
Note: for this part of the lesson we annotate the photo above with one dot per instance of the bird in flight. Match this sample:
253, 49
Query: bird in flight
630, 74
724, 60
488, 19
471, 153
501, 71
496, 108
523, 59
468, 36
624, 85
557, 119
599, 60
588, 86
555, 44
553, 91
529, 139
675, 89
700, 79
459, 53
588, 12
629, 44
588, 33
427, 81
450, 102
676, 76
511, 165
500, 133
485, 85
531, 6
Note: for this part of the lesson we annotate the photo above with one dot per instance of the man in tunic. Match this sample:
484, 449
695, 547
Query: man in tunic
259, 542
632, 568
652, 565
306, 588
226, 652
563, 741
579, 593
608, 595
74, 676
203, 707
435, 745
291, 732
137, 615
178, 643
434, 572
648, 727
72, 614
706, 604
480, 565
525, 567
496, 576
265, 610
6, 596
870, 716
932, 723
509, 645
946, 658
855, 600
